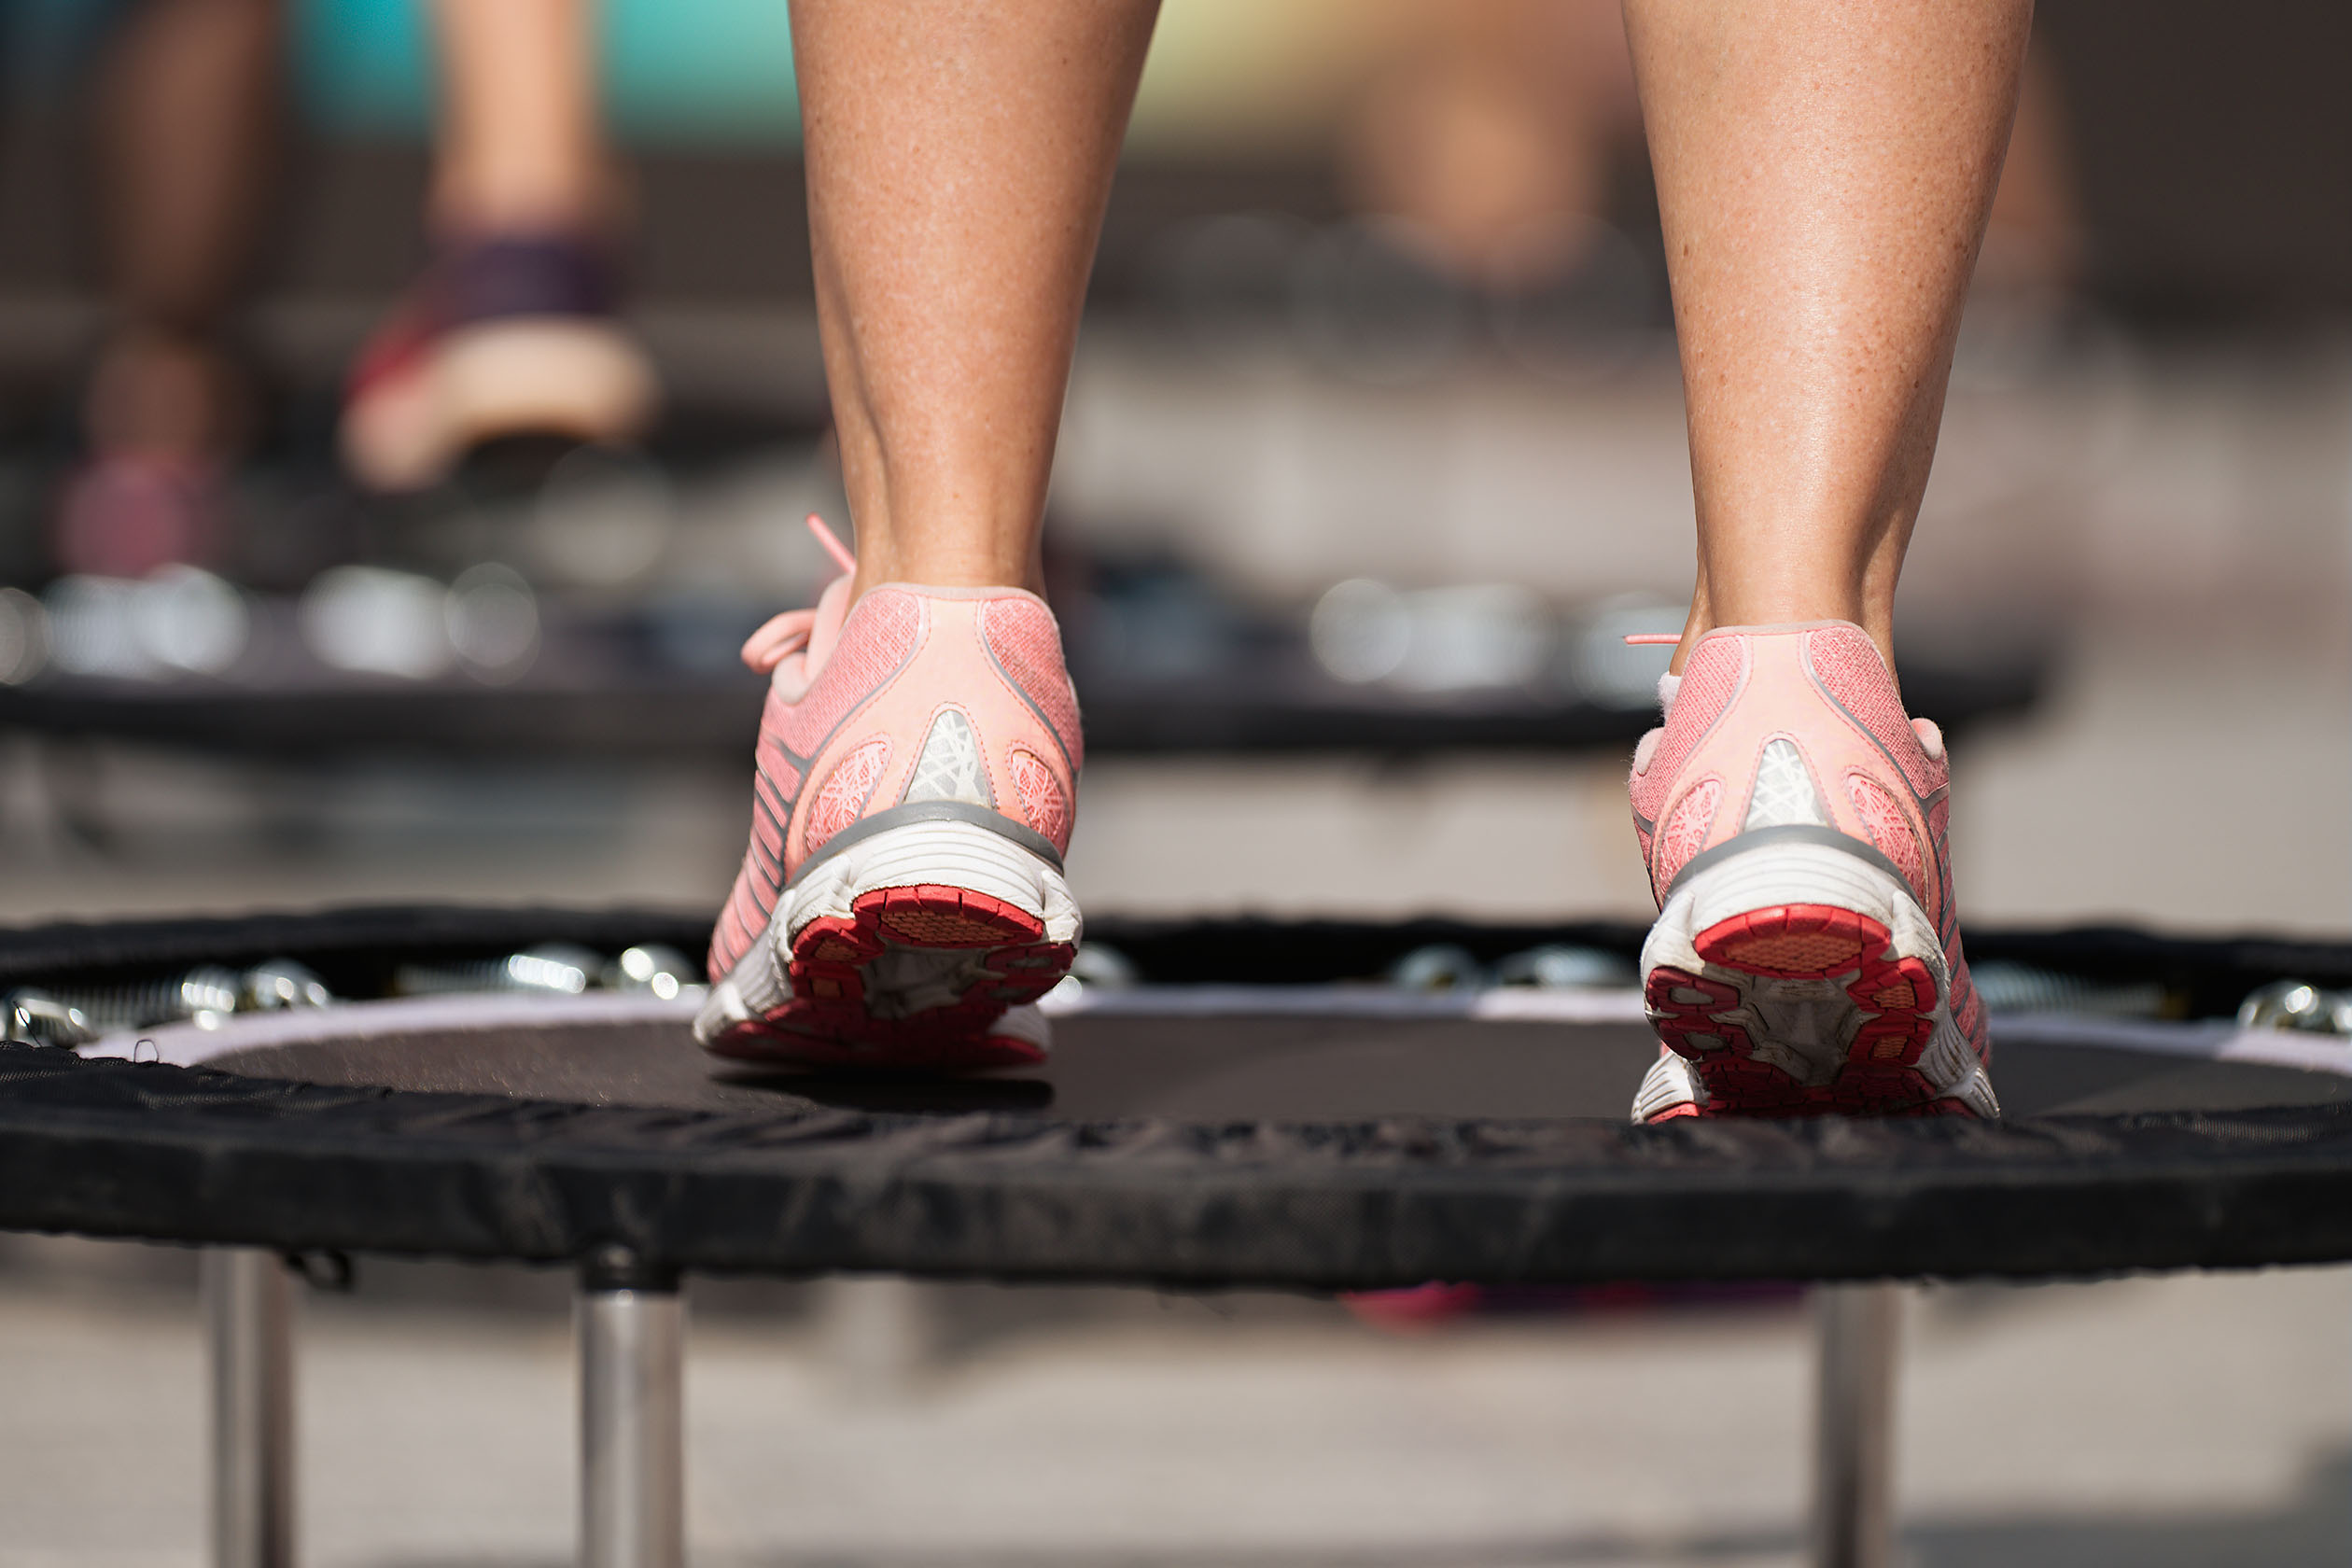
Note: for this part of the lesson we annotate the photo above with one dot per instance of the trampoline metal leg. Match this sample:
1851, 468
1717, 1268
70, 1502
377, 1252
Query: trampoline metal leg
249, 1309
1854, 1514
631, 1499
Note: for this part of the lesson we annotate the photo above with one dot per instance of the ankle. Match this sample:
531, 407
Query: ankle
937, 522
1711, 613
572, 196
159, 392
945, 565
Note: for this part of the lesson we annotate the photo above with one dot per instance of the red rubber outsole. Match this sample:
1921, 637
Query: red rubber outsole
826, 1022
1893, 998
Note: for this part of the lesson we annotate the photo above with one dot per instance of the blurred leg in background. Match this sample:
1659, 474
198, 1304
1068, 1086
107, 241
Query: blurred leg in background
2034, 241
512, 333
1492, 134
189, 109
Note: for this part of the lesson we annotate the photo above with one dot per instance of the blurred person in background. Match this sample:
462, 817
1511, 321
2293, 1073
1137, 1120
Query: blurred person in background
1489, 134
510, 332
1489, 131
189, 110
1824, 178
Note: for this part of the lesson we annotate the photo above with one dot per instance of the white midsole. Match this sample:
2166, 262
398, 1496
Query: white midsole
948, 854
1775, 873
1804, 1027
560, 374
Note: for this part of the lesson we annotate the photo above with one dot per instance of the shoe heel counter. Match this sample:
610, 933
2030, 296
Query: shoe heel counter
974, 718
1779, 753
1677, 784
1041, 747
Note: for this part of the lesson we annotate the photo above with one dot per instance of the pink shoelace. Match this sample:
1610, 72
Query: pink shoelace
787, 634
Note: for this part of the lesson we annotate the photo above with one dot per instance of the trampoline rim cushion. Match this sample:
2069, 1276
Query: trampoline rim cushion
108, 1148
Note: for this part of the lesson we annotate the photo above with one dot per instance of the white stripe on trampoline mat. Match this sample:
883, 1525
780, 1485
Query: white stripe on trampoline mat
188, 1046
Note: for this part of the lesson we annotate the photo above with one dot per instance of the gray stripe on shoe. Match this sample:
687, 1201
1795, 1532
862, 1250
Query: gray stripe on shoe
934, 811
1793, 832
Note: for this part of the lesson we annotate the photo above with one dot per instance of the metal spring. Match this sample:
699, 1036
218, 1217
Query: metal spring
35, 1017
555, 968
2008, 987
206, 991
2294, 1005
653, 968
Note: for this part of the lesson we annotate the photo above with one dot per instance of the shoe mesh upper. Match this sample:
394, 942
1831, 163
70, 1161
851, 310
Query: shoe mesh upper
1022, 637
841, 799
1889, 831
880, 636
1709, 680
1043, 806
1846, 663
1685, 832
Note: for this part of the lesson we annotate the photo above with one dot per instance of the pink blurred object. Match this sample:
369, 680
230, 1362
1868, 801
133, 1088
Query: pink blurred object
1416, 1308
127, 513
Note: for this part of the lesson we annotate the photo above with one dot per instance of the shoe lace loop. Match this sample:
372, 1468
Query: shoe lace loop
781, 637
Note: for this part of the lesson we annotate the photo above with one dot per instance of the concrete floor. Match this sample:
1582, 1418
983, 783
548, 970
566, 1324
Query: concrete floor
2142, 1423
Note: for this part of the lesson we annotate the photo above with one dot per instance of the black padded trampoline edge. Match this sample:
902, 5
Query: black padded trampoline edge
169, 1154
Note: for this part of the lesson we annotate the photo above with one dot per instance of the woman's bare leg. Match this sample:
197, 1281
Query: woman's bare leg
1824, 171
959, 156
188, 126
520, 144
958, 160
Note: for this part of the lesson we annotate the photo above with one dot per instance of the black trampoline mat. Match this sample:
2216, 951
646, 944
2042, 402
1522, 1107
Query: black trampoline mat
1280, 1068
1256, 1115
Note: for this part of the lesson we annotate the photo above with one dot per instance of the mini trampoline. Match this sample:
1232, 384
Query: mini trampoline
1260, 1110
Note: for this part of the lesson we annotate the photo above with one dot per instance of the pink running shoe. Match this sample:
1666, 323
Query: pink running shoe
902, 898
1794, 824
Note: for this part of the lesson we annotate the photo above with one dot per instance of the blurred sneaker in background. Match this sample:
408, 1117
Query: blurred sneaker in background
901, 901
504, 337
165, 418
510, 334
1806, 958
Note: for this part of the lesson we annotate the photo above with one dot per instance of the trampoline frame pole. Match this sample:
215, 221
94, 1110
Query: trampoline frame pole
1859, 1329
631, 1324
249, 1319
